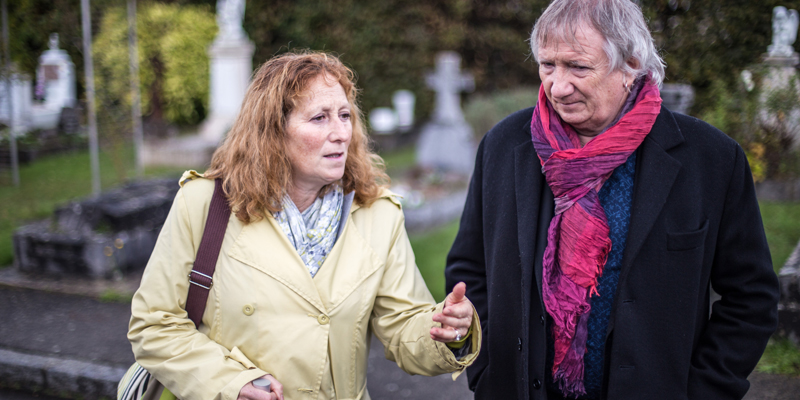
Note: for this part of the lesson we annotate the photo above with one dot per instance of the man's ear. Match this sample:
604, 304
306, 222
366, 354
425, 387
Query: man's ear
634, 64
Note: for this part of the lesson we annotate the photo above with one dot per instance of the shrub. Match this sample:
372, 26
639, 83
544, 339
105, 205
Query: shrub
174, 66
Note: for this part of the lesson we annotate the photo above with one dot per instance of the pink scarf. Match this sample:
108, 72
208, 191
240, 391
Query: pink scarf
577, 240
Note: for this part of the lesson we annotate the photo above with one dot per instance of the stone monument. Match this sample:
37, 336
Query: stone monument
677, 97
403, 102
231, 59
448, 129
56, 74
231, 65
20, 97
780, 65
784, 32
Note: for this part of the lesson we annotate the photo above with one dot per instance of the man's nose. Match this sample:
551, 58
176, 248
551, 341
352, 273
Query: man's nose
562, 84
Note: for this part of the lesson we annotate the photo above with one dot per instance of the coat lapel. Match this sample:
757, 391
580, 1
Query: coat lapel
528, 180
655, 175
263, 246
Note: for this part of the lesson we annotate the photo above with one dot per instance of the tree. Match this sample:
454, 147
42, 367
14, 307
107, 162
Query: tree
174, 66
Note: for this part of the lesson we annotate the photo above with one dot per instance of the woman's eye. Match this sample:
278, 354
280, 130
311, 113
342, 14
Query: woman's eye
318, 118
345, 116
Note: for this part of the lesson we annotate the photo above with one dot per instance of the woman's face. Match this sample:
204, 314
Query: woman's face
578, 83
319, 131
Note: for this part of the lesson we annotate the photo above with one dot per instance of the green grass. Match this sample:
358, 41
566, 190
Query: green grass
782, 225
781, 357
51, 181
399, 160
430, 250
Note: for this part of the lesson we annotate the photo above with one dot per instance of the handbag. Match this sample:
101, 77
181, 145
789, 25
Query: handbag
137, 383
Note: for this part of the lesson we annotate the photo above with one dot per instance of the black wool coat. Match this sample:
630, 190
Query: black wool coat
695, 225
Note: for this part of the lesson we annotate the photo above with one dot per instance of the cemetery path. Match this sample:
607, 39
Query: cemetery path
76, 346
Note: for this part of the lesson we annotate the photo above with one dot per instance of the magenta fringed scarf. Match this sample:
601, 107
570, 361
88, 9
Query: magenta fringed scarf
577, 240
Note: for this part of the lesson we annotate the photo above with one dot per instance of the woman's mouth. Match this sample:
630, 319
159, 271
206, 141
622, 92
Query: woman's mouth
334, 156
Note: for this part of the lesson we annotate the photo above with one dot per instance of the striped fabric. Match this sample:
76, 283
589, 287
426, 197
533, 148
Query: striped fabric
133, 383
578, 237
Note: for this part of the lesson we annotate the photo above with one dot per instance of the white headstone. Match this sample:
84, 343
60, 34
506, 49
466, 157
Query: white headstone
784, 32
57, 72
56, 76
21, 100
448, 129
383, 120
403, 102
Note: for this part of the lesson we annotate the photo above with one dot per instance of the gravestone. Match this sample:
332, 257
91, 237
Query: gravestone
56, 75
403, 102
677, 97
97, 237
383, 120
21, 101
448, 129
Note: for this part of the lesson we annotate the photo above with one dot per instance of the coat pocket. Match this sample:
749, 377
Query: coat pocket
687, 240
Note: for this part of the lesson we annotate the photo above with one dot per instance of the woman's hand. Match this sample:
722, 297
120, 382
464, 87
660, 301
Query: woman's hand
456, 317
250, 392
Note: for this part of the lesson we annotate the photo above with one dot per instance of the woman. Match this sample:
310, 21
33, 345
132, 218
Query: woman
622, 216
315, 257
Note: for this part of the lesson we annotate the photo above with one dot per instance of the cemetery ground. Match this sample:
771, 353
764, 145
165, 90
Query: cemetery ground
56, 179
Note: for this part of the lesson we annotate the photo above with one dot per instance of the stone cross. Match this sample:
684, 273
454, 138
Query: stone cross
784, 32
449, 82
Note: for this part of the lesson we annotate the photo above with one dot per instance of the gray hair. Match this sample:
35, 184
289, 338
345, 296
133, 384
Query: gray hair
621, 24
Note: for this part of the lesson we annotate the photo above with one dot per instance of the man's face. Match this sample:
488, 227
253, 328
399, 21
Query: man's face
578, 83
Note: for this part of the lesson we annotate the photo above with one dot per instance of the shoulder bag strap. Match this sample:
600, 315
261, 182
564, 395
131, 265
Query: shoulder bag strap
200, 278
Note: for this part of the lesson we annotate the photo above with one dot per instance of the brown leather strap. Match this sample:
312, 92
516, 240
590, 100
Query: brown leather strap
200, 278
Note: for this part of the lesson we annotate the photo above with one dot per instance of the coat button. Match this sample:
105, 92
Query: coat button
323, 319
248, 309
519, 344
537, 384
541, 317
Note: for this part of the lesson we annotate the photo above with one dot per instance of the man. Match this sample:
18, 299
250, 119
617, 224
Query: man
598, 223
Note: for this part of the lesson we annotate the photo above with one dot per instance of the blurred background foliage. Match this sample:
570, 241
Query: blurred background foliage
392, 44
174, 71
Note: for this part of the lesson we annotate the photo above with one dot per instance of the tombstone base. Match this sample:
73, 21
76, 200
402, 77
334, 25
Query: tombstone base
447, 147
100, 237
192, 152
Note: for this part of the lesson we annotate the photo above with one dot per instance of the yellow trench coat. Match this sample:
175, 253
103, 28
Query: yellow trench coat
266, 314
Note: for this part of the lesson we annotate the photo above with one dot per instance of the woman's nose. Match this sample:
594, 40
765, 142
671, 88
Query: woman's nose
341, 130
